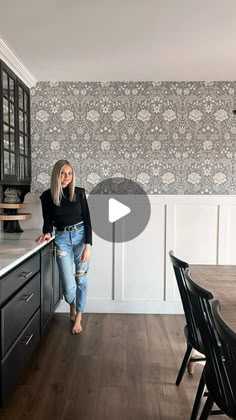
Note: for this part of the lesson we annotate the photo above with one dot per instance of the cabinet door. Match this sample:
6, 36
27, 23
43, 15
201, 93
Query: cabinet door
24, 133
56, 281
15, 360
46, 286
17, 312
8, 124
14, 128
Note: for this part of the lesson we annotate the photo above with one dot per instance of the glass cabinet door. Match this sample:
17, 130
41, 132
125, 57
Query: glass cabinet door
15, 156
24, 133
9, 165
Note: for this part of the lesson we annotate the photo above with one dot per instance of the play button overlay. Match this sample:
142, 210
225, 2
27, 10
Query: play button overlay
119, 208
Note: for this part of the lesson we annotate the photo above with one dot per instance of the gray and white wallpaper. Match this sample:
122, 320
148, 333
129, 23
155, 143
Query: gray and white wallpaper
171, 137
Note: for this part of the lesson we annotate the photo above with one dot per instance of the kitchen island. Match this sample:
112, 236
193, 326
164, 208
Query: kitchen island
29, 294
17, 247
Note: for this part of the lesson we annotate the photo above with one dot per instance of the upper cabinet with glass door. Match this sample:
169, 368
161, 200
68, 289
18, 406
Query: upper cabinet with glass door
14, 128
24, 132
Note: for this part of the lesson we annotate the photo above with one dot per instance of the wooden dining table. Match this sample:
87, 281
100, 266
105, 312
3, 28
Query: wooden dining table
220, 280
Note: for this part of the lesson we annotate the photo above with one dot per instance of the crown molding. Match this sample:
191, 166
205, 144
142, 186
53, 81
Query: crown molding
16, 65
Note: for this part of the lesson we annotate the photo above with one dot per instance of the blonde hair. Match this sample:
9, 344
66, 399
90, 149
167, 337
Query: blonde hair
56, 187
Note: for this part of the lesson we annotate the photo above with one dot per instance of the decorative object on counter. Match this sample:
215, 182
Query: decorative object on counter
12, 195
11, 216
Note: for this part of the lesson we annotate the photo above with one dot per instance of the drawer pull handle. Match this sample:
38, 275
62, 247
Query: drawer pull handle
26, 275
28, 339
27, 298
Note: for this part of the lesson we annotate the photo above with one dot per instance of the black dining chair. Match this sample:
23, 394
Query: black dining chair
201, 305
191, 332
220, 377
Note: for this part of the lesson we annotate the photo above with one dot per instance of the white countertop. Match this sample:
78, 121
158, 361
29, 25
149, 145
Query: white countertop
16, 247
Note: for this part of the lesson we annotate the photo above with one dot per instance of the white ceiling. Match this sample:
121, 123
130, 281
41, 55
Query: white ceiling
134, 40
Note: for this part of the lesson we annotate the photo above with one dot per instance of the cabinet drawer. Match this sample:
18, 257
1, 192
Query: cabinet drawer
11, 283
15, 360
16, 313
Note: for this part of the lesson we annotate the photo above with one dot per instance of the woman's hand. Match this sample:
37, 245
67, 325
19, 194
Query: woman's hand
86, 253
43, 237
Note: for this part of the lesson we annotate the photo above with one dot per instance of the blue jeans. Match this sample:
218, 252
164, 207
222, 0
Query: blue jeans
70, 246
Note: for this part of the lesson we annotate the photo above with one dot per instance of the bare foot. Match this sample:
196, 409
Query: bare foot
72, 312
77, 328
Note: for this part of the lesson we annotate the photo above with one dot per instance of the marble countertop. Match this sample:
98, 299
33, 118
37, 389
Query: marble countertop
16, 247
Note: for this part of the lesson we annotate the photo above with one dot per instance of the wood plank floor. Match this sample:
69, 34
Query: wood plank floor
121, 367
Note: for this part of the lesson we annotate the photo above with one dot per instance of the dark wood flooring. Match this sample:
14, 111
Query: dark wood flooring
121, 367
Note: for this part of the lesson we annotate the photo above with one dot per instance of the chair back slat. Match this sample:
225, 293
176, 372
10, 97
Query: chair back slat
228, 346
201, 300
179, 267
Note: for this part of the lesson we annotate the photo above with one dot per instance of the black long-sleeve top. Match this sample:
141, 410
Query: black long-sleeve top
68, 213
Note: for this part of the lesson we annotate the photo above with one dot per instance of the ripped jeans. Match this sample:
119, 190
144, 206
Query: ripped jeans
69, 249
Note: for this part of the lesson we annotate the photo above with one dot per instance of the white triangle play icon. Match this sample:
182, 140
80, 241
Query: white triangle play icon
117, 210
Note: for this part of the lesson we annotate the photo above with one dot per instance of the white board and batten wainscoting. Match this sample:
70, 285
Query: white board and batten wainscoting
136, 276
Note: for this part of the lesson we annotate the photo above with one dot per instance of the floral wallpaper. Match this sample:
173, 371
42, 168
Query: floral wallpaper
170, 137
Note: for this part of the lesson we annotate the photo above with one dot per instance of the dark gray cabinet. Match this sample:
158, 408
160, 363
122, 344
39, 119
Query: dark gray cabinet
50, 287
28, 297
14, 361
18, 311
57, 290
46, 286
18, 277
15, 162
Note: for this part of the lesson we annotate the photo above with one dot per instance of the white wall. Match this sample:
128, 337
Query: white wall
136, 276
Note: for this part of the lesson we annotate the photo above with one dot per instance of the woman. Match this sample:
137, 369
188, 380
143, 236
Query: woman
65, 208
